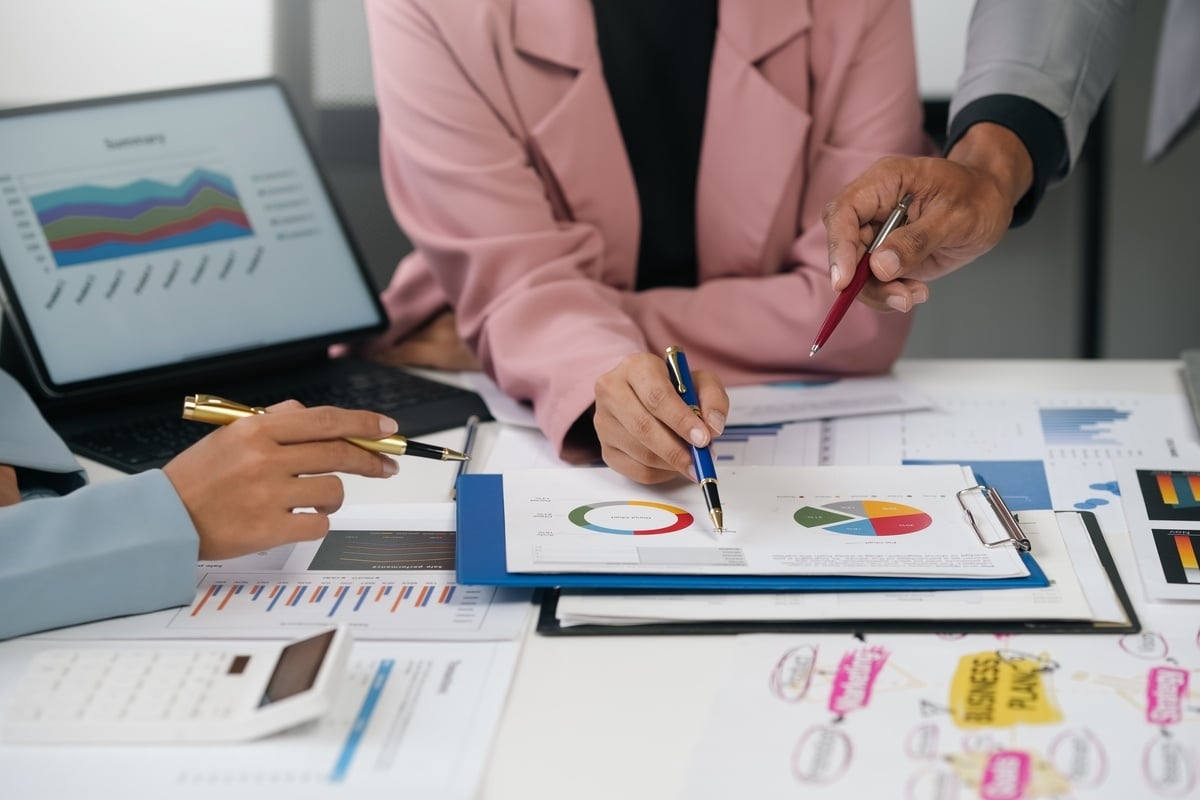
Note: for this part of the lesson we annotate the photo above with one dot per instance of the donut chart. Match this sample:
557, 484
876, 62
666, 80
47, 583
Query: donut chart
864, 518
630, 517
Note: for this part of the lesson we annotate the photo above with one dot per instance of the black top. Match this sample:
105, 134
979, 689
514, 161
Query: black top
1038, 129
656, 56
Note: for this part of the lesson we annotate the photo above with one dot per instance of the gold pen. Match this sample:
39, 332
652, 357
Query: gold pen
219, 411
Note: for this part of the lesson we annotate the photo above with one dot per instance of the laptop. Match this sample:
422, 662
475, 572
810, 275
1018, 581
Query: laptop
167, 243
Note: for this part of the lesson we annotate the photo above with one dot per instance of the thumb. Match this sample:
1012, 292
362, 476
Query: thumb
903, 251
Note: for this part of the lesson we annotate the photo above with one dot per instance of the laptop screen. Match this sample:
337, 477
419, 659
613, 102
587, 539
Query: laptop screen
153, 231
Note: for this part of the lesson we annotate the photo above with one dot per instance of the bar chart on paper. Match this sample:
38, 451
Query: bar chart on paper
367, 603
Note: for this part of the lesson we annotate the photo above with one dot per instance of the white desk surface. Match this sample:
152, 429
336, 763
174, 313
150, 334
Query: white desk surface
604, 717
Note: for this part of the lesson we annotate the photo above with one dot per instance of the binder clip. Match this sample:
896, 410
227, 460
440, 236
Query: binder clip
1011, 533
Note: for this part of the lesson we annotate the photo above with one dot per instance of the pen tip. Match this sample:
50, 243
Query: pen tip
452, 455
718, 519
814, 350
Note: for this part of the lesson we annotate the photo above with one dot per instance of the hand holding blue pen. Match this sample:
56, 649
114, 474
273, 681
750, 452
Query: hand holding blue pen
702, 459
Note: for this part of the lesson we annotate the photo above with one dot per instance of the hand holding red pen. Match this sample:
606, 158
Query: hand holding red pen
861, 273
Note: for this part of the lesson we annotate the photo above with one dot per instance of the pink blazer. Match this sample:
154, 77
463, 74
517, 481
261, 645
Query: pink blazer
504, 164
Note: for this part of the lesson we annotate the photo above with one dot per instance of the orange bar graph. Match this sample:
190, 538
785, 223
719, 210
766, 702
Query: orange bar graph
445, 593
1194, 485
421, 597
1166, 487
379, 594
1187, 553
203, 600
228, 595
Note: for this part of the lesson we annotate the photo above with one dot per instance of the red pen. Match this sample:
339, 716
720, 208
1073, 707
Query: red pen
863, 271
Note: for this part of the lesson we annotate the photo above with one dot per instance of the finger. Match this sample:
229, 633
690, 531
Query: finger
664, 424
868, 198
285, 405
899, 295
635, 469
907, 248
714, 400
623, 424
325, 493
318, 458
325, 422
303, 526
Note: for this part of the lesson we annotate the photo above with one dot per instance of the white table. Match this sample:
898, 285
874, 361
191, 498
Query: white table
605, 717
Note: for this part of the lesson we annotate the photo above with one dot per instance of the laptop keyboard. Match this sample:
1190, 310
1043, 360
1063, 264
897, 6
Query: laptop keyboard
147, 443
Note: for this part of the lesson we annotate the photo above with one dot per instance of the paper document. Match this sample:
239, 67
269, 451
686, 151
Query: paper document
875, 521
921, 716
387, 572
410, 720
1072, 578
770, 403
1162, 506
763, 404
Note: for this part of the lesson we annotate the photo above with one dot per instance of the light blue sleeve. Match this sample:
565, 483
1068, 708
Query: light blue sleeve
122, 547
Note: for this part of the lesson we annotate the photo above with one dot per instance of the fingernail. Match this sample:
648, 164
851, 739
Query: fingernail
835, 274
898, 303
716, 421
887, 264
390, 467
388, 426
920, 295
698, 437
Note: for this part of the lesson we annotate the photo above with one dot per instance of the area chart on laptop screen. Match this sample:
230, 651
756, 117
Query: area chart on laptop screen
90, 222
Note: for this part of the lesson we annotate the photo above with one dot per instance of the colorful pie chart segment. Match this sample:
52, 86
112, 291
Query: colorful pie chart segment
864, 518
631, 517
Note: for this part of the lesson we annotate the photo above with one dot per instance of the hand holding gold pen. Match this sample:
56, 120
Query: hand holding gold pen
219, 411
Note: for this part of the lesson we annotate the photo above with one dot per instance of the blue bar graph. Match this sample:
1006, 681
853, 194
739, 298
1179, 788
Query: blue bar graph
1081, 426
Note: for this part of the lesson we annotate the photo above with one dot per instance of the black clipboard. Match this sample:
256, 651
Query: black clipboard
548, 623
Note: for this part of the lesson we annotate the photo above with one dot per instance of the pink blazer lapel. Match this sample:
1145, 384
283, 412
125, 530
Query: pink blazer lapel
575, 128
755, 137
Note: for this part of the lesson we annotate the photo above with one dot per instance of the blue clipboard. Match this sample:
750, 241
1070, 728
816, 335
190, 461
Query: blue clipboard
480, 560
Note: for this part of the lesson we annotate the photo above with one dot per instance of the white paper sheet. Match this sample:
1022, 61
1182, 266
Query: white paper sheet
919, 716
1064, 598
792, 401
387, 572
411, 720
1162, 506
904, 521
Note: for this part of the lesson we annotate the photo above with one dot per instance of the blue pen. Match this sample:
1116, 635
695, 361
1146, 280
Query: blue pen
702, 459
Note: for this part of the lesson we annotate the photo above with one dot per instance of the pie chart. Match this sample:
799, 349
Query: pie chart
631, 517
864, 518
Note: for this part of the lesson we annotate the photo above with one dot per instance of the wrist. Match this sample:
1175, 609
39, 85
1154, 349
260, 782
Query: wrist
998, 153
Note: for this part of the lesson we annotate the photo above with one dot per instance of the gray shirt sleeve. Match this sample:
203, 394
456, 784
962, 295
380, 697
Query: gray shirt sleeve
1061, 54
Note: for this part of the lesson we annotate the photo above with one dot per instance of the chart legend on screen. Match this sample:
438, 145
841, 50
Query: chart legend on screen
362, 601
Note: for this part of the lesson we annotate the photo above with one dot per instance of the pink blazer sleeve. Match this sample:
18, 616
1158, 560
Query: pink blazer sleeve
522, 284
754, 327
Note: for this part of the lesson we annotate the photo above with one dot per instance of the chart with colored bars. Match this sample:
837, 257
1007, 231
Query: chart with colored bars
1170, 494
1090, 427
864, 518
89, 222
365, 602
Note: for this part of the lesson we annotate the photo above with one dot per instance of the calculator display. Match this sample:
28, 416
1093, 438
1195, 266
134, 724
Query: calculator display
297, 668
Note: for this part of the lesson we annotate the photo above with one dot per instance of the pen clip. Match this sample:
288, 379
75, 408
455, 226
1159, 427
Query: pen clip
895, 219
673, 367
